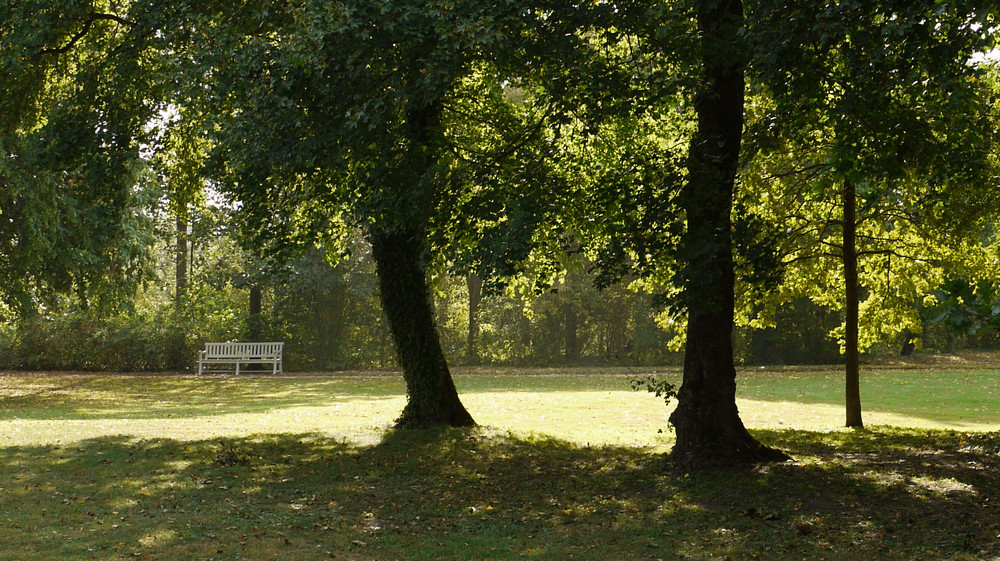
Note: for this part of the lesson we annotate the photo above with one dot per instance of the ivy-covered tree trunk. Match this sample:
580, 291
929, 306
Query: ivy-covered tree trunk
849, 254
707, 422
431, 395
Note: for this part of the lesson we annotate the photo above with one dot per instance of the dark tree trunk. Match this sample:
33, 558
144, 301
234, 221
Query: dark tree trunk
475, 286
181, 261
397, 246
850, 258
254, 324
909, 343
616, 341
432, 399
177, 352
707, 423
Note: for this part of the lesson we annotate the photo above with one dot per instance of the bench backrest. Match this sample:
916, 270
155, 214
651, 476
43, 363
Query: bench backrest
238, 350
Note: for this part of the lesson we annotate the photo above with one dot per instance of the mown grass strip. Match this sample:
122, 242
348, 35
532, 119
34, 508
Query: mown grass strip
581, 406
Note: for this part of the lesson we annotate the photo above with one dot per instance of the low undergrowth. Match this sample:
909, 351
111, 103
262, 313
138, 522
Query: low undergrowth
485, 494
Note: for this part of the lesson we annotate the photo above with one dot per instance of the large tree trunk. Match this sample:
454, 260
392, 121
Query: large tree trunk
397, 246
431, 395
707, 422
850, 258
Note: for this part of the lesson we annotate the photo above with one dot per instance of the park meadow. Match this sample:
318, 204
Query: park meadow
566, 463
369, 197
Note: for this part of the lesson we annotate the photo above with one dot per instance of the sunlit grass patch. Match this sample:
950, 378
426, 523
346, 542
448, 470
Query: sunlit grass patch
595, 408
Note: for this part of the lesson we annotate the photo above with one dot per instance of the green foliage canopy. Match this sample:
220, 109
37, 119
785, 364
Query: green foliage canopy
70, 172
882, 97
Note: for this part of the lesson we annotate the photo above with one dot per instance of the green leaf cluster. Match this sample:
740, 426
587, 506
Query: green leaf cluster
884, 97
71, 180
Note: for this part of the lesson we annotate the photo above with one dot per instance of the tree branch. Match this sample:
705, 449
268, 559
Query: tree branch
895, 253
94, 18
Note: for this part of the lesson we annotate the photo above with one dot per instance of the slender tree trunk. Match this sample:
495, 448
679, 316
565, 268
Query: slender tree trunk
475, 286
850, 257
431, 395
254, 322
617, 331
181, 261
177, 352
254, 318
707, 422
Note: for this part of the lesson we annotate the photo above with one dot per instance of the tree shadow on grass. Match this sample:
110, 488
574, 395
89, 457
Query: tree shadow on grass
478, 494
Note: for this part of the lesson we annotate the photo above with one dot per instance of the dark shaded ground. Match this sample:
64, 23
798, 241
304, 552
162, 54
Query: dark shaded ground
876, 494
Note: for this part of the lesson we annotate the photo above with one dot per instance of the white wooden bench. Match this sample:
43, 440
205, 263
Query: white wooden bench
241, 353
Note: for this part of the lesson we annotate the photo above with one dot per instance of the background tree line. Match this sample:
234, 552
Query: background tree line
329, 316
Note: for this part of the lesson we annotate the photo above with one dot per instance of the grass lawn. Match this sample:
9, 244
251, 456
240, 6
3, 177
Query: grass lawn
567, 465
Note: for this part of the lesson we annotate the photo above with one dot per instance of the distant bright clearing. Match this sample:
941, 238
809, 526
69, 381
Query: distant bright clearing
593, 410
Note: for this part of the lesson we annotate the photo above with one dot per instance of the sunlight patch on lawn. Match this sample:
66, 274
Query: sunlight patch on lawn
594, 418
825, 417
159, 538
584, 410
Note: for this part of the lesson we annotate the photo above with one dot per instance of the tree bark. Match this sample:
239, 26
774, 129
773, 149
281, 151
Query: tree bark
475, 286
181, 261
255, 321
909, 343
254, 317
177, 351
397, 240
432, 399
707, 422
849, 254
